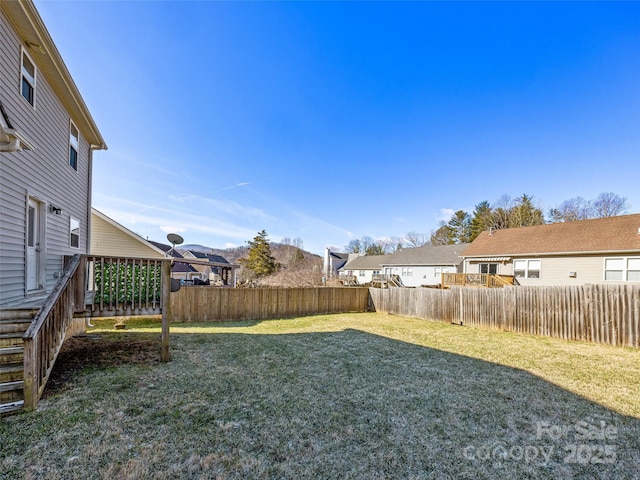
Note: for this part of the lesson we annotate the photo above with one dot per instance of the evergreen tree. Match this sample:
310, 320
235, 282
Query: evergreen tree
482, 219
259, 259
460, 227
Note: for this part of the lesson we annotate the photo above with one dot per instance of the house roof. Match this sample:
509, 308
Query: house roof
209, 257
427, 255
166, 248
365, 262
612, 234
26, 21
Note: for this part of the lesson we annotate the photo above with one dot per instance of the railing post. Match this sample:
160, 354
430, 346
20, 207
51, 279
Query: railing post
166, 309
30, 386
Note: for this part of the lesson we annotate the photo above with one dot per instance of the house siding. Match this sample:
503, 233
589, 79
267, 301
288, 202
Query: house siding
43, 173
554, 270
421, 274
110, 241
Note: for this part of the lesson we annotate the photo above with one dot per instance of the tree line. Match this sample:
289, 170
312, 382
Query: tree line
523, 211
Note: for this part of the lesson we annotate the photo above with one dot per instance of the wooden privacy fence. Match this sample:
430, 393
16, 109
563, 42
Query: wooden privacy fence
207, 304
607, 314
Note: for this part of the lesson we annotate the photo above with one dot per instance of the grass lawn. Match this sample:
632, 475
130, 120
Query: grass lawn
367, 396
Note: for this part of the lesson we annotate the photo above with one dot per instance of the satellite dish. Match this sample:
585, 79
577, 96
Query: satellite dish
175, 239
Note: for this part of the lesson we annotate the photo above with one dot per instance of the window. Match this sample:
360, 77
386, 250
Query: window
622, 269
490, 268
526, 268
74, 232
407, 271
73, 146
361, 273
28, 79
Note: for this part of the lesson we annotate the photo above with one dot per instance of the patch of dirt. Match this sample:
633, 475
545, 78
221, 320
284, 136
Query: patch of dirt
99, 350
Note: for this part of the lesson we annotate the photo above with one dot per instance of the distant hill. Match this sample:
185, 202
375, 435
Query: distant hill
282, 253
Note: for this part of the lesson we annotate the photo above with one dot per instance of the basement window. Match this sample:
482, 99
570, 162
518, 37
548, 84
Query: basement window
28, 79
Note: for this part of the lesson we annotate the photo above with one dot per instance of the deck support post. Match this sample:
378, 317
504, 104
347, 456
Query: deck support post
166, 309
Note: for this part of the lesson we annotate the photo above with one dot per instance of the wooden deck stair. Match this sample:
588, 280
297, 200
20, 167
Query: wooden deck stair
13, 324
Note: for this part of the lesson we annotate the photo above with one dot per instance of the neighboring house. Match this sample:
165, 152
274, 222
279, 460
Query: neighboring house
333, 261
179, 270
603, 250
47, 140
364, 267
424, 265
218, 271
109, 238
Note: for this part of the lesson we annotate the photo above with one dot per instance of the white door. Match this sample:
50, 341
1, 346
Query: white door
33, 245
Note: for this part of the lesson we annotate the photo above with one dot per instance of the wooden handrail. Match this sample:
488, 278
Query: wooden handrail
44, 337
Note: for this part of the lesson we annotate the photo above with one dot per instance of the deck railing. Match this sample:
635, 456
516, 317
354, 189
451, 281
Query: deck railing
476, 280
120, 286
44, 337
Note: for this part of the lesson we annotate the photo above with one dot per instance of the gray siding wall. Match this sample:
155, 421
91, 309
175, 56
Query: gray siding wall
43, 173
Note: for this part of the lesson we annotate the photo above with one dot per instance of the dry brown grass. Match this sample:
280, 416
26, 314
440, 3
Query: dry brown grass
340, 396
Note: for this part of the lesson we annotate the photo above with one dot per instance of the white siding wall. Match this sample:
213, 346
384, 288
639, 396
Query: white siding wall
420, 275
43, 173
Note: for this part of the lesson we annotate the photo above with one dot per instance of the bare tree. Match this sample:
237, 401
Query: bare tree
571, 210
608, 204
415, 239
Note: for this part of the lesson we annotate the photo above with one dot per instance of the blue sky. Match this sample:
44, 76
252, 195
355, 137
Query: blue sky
329, 121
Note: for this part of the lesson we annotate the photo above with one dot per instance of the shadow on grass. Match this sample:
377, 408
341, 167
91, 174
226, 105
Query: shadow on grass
351, 404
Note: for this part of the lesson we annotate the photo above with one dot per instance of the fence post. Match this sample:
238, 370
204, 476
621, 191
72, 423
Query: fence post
166, 309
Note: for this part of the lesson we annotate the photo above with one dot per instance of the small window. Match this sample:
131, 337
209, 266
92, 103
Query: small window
407, 271
28, 79
73, 146
74, 232
361, 273
526, 268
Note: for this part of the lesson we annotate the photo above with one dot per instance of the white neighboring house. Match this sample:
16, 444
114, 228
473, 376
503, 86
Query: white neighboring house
363, 268
47, 140
424, 265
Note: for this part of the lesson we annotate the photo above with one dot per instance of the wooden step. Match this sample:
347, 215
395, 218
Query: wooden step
11, 392
11, 355
12, 373
13, 339
18, 314
10, 386
14, 326
11, 407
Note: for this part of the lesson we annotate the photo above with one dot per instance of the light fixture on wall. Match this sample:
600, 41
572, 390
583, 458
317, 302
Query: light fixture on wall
54, 209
